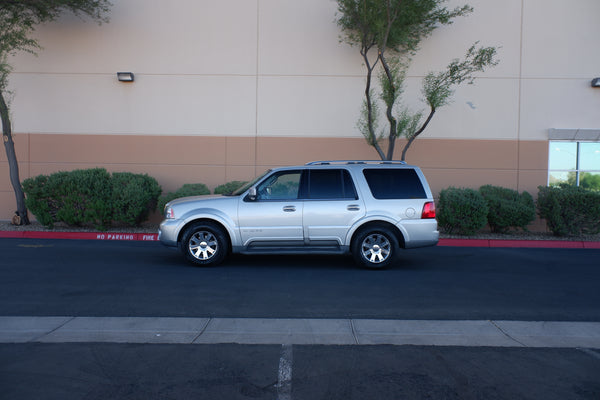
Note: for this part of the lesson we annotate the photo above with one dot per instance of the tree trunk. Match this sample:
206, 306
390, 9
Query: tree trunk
9, 146
372, 139
389, 109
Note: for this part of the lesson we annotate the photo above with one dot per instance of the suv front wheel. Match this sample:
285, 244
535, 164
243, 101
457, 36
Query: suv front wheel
375, 247
204, 243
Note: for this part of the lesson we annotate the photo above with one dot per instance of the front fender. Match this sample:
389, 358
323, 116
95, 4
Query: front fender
213, 215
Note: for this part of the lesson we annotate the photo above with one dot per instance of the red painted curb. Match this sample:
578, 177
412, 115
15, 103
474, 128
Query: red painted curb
555, 244
551, 244
13, 235
464, 242
147, 237
560, 244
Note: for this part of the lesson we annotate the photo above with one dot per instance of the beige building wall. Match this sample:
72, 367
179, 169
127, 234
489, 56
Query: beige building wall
224, 89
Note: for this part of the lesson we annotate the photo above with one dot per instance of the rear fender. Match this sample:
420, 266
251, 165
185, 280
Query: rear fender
374, 219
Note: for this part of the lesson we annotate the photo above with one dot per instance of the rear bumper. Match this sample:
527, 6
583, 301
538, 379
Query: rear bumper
420, 233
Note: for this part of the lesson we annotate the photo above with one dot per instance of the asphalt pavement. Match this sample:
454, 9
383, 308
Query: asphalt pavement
126, 319
66, 371
81, 278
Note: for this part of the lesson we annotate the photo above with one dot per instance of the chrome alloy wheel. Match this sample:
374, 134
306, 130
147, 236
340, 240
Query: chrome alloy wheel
376, 248
203, 245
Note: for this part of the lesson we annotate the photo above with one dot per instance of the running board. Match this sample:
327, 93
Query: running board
278, 249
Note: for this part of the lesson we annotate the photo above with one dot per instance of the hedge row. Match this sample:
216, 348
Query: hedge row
570, 210
462, 211
91, 196
567, 210
507, 208
466, 211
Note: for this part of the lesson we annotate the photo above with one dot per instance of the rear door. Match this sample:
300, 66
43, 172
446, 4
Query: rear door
331, 206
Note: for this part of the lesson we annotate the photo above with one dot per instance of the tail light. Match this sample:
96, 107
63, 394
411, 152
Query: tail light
428, 210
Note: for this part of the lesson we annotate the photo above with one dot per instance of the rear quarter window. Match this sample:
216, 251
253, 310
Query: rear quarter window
394, 184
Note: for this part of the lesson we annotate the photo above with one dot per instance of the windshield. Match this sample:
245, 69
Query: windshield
249, 184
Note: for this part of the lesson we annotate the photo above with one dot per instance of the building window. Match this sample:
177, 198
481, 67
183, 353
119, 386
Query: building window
575, 163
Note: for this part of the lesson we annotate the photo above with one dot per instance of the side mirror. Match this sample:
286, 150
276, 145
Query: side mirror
252, 194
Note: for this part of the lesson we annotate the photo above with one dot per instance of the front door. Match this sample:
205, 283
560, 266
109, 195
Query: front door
274, 218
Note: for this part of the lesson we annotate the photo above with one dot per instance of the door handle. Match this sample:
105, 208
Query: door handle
289, 208
353, 207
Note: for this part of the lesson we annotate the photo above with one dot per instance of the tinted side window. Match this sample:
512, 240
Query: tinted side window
330, 184
394, 184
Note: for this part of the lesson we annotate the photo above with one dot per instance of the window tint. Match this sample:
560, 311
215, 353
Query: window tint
394, 183
330, 184
280, 186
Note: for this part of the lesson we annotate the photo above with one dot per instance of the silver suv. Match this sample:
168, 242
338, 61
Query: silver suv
370, 209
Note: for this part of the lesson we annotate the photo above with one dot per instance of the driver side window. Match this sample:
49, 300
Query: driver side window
280, 186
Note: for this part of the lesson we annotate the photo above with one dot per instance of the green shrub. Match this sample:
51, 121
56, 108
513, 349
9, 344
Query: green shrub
229, 187
75, 198
461, 211
39, 199
90, 196
189, 189
507, 208
134, 197
569, 210
87, 195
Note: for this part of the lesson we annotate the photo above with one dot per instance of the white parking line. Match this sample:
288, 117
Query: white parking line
284, 380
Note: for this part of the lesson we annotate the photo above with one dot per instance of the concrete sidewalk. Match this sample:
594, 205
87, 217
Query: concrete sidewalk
299, 331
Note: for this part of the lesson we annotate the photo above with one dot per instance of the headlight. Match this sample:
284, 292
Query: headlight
169, 213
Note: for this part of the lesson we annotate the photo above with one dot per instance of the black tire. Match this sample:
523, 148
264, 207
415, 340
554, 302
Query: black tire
375, 247
204, 244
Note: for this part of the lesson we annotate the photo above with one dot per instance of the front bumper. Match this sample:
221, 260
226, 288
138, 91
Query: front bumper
168, 231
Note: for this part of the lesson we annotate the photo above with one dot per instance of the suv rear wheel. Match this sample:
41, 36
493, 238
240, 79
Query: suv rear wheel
375, 247
204, 243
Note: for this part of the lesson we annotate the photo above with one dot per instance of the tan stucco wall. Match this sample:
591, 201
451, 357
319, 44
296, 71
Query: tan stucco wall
175, 160
277, 68
224, 89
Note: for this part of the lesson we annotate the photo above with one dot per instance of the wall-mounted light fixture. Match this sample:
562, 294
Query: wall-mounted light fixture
125, 76
596, 82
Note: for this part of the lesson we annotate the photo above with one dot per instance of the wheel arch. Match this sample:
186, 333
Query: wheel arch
205, 220
373, 224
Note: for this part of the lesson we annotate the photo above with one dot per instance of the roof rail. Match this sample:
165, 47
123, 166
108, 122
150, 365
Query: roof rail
356, 162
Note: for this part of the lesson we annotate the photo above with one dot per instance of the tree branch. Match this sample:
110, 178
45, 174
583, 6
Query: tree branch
417, 133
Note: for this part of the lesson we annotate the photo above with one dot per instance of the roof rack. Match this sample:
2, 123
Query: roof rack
356, 162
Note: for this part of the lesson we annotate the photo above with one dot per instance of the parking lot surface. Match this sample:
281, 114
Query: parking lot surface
127, 320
